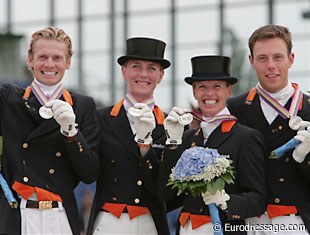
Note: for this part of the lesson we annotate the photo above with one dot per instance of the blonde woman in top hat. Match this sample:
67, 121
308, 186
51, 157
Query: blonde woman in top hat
49, 140
212, 85
132, 138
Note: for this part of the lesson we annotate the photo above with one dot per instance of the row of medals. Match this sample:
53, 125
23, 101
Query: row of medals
185, 119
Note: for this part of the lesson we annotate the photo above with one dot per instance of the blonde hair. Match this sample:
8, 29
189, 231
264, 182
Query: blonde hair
51, 33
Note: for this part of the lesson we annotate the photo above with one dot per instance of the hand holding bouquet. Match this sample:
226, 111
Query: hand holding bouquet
202, 170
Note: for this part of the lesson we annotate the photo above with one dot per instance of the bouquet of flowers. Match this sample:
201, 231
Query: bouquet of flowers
199, 170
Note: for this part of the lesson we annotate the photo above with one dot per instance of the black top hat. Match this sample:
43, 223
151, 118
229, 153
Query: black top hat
145, 49
210, 68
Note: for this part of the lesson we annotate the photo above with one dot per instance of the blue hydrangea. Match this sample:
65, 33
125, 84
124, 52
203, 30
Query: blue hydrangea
193, 161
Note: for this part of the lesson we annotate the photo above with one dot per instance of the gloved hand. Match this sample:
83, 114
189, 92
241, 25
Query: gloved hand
64, 116
144, 124
219, 198
302, 149
174, 130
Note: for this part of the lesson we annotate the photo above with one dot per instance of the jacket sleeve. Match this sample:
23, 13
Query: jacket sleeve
251, 168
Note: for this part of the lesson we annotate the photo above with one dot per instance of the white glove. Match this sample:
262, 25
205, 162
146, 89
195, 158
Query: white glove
64, 116
174, 130
302, 149
219, 198
144, 124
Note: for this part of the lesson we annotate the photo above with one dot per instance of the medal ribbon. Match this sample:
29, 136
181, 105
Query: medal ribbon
131, 101
41, 97
223, 117
284, 113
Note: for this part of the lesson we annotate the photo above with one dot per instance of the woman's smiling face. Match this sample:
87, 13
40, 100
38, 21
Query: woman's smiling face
211, 96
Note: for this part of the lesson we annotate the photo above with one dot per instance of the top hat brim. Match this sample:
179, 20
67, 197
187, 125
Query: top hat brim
230, 79
163, 62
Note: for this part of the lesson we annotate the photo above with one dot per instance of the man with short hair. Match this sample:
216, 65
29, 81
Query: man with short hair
269, 107
50, 139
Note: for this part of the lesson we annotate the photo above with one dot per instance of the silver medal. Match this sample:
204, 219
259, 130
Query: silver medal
295, 122
135, 112
46, 112
185, 119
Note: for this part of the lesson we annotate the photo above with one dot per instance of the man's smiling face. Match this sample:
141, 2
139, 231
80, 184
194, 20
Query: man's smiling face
49, 61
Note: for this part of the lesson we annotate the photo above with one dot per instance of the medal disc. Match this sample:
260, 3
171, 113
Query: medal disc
46, 112
295, 122
185, 119
135, 112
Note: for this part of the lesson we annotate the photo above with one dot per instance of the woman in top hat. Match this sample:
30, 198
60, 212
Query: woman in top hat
132, 138
212, 85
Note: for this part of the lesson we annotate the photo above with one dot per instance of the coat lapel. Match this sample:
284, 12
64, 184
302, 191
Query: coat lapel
217, 137
44, 125
254, 112
120, 126
32, 106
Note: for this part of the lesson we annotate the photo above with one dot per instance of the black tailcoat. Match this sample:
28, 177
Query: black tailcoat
122, 167
248, 193
288, 182
37, 154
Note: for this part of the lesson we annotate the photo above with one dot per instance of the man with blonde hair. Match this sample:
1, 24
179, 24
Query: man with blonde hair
50, 138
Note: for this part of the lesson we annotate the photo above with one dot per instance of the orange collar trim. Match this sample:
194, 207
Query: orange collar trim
249, 99
227, 125
160, 116
65, 94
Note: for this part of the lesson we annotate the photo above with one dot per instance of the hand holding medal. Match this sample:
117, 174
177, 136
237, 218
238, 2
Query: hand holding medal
135, 112
143, 121
174, 125
185, 119
296, 123
64, 115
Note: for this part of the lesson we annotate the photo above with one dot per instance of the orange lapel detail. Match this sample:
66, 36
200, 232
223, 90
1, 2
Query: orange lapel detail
160, 116
250, 97
227, 125
116, 108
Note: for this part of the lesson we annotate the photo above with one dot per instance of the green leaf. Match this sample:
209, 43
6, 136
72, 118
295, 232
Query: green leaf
227, 177
216, 185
